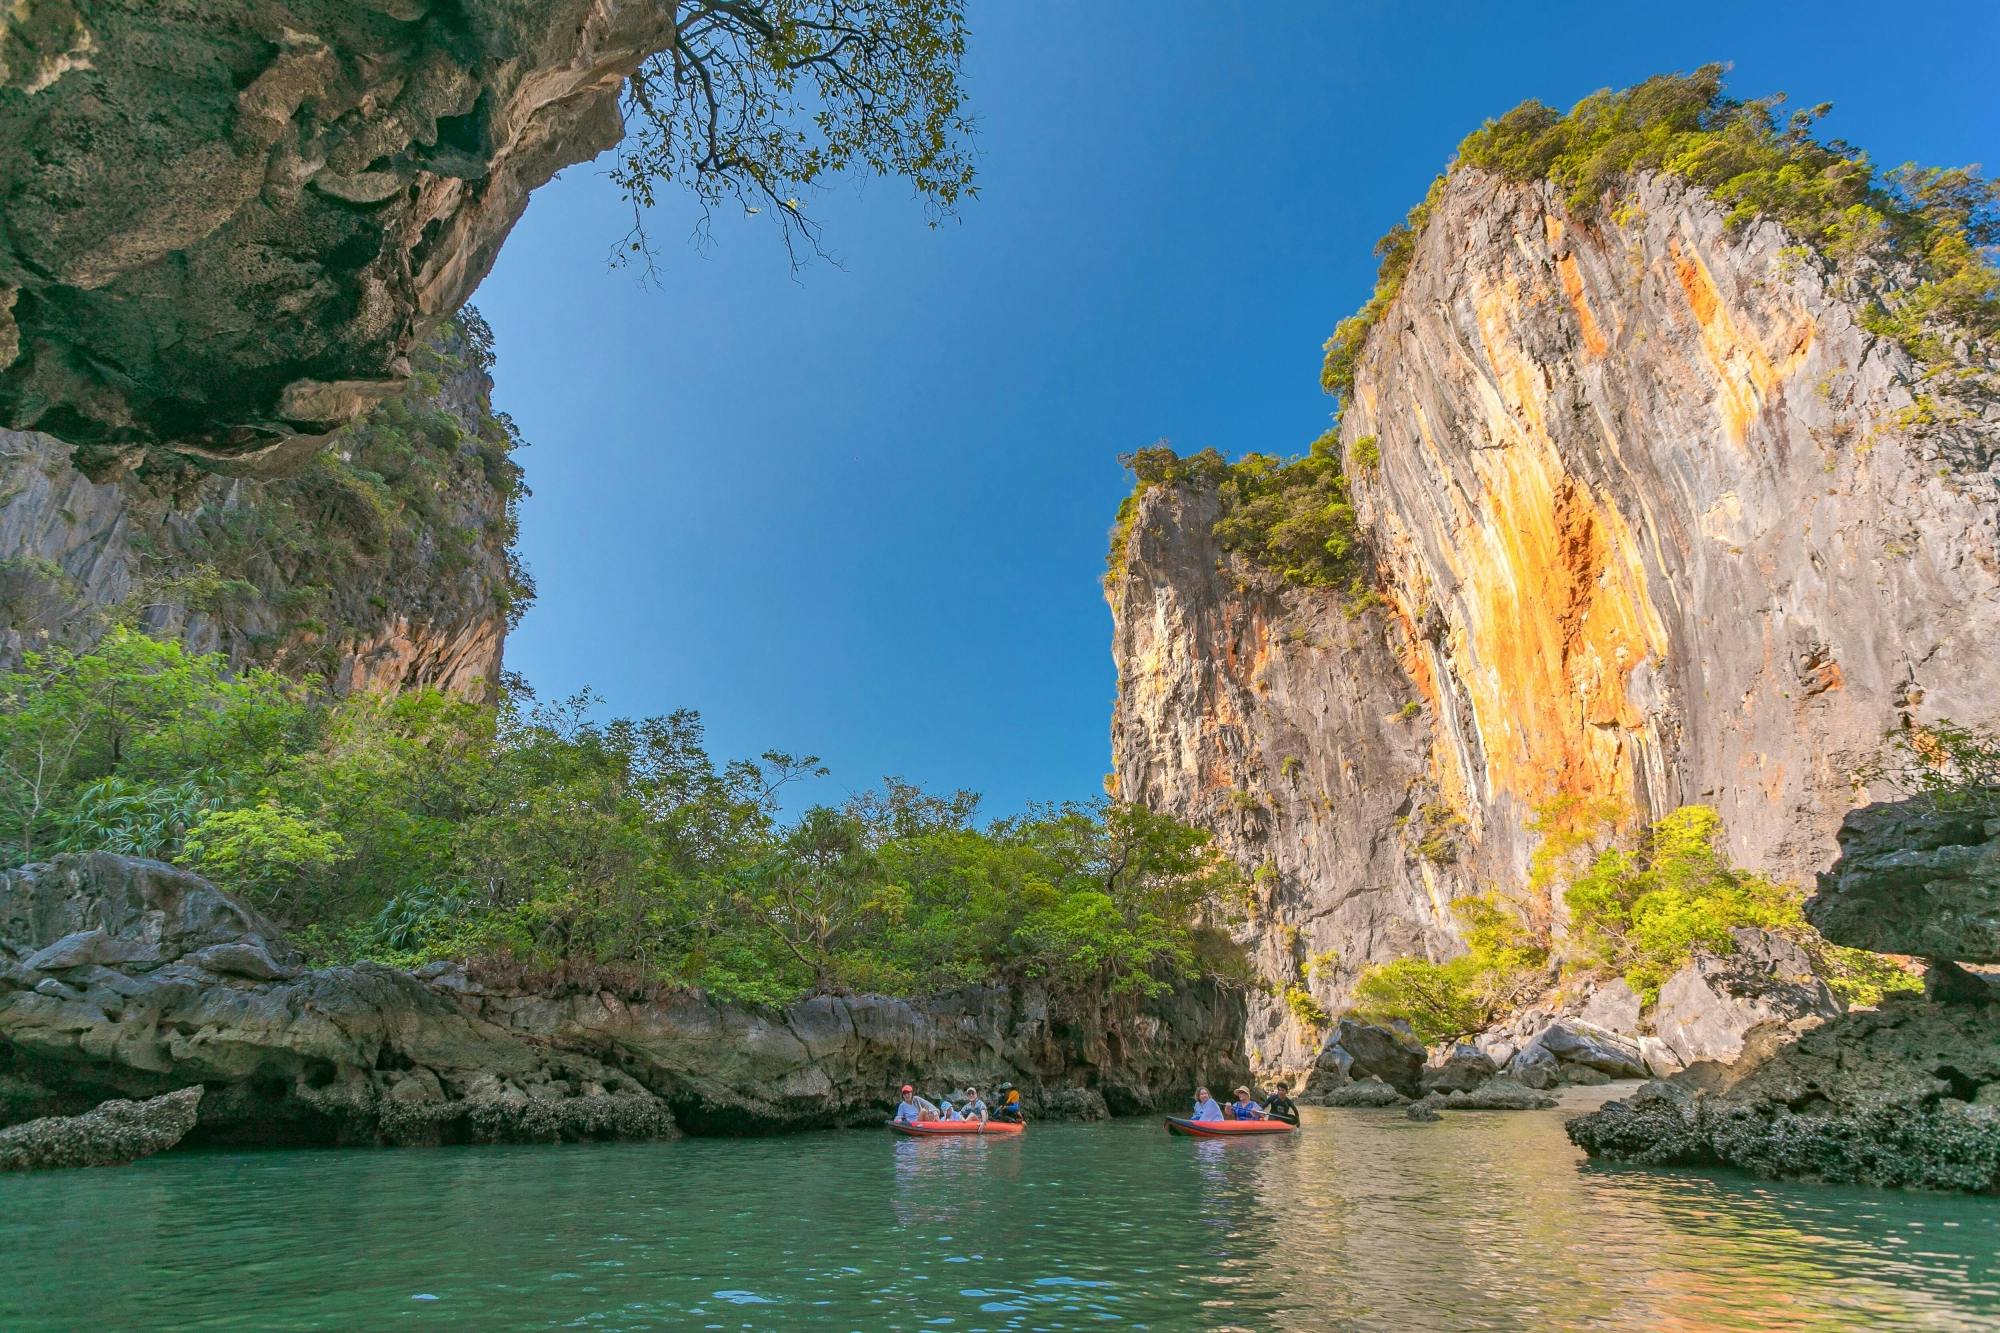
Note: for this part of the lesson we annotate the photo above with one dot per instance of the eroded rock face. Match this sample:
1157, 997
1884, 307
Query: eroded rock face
1905, 1095
296, 573
1655, 525
228, 222
112, 1134
164, 981
1363, 1054
1707, 1008
1915, 878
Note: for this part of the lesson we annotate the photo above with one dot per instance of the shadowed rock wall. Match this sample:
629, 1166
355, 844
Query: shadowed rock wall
227, 222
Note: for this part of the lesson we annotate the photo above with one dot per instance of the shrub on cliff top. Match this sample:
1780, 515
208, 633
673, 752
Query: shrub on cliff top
1945, 221
1293, 517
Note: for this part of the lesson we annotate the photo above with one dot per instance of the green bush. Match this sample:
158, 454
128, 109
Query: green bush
1645, 912
1443, 1001
1440, 1001
1307, 1011
261, 850
424, 826
1293, 517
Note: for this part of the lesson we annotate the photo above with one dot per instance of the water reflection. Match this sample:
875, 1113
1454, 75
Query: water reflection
1365, 1220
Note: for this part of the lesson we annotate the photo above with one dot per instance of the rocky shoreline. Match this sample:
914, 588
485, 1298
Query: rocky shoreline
1907, 1094
122, 977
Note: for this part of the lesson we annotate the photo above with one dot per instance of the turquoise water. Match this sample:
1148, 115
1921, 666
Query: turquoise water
1364, 1220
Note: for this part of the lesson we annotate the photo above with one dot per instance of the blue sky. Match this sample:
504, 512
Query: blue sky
860, 511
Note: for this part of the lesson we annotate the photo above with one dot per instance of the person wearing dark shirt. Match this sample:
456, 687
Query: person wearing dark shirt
1009, 1104
1281, 1106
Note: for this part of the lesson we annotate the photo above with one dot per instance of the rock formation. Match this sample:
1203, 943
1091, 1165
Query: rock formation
1915, 877
1908, 1094
1656, 520
385, 563
112, 1134
228, 223
128, 977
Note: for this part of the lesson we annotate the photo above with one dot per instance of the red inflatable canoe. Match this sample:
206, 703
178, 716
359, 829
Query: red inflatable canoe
926, 1129
1223, 1129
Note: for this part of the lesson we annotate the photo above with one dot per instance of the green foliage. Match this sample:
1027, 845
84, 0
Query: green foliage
425, 826
1944, 221
760, 101
1366, 455
1440, 829
261, 850
136, 709
1240, 802
116, 814
1443, 1001
1293, 517
1309, 1012
1957, 766
1861, 978
1644, 912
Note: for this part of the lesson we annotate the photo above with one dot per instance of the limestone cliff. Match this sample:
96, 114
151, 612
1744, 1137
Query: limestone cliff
229, 222
386, 563
1653, 518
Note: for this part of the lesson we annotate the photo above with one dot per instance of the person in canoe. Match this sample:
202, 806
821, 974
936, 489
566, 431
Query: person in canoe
1245, 1107
913, 1109
972, 1108
1205, 1107
1010, 1107
1281, 1106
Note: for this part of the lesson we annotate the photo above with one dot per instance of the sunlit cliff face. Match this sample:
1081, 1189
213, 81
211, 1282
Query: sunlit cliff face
1654, 523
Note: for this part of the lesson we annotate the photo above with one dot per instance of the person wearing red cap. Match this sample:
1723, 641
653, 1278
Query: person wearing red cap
913, 1108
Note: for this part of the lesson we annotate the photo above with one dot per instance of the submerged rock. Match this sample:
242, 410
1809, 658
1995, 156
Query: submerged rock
111, 1134
371, 1054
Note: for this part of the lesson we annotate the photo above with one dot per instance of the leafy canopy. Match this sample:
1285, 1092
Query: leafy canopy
761, 101
424, 826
